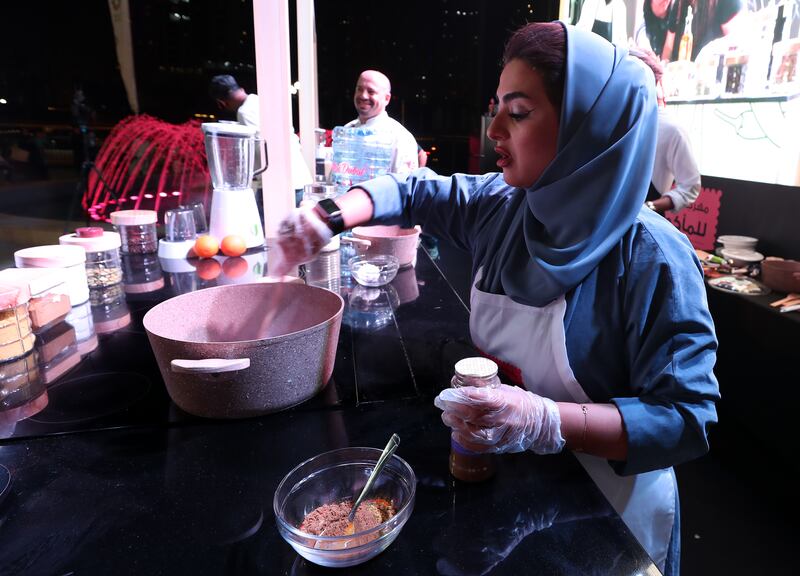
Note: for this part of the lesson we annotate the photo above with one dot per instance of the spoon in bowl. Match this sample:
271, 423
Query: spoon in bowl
390, 448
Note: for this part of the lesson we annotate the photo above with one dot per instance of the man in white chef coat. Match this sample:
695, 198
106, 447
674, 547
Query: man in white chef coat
373, 93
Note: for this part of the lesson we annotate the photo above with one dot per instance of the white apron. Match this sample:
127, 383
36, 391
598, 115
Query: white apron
531, 342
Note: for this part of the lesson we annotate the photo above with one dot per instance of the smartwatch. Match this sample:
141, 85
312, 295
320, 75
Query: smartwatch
331, 214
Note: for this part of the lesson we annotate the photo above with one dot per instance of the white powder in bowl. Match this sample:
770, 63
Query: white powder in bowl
369, 272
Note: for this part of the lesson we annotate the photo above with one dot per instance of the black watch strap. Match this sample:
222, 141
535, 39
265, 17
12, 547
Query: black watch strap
331, 214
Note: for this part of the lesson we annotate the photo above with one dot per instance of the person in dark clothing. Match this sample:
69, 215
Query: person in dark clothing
711, 19
657, 15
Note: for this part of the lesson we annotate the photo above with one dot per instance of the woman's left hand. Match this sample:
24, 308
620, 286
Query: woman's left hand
501, 419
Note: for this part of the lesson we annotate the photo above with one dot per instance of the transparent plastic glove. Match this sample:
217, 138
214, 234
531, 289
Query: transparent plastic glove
301, 236
501, 419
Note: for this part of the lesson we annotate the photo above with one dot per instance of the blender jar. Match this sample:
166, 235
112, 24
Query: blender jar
230, 149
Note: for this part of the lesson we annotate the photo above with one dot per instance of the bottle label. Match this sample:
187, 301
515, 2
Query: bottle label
461, 450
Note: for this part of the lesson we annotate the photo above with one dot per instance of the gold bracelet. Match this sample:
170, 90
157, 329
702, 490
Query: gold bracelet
585, 411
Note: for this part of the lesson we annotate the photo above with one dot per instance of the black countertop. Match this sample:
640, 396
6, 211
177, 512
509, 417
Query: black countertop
112, 477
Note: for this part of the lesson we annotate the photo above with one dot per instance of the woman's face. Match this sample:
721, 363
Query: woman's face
525, 127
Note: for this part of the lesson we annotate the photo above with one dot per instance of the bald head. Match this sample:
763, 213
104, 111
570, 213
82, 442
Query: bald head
372, 94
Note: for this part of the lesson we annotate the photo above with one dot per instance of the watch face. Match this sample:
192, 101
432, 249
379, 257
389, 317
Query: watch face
329, 206
333, 215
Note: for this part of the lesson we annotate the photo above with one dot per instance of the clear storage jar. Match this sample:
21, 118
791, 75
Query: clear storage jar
71, 259
47, 288
103, 267
141, 273
316, 192
16, 333
81, 319
109, 309
137, 230
19, 382
466, 465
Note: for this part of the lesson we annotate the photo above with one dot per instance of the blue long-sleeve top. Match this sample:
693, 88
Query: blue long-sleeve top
638, 330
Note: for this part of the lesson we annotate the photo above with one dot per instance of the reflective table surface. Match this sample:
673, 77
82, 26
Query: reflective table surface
107, 475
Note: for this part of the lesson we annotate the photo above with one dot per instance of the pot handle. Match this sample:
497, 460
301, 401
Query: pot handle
209, 365
357, 241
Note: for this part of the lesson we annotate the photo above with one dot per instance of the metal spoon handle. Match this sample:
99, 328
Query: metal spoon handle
391, 446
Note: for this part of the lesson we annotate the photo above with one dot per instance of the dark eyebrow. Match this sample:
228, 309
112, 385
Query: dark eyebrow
514, 95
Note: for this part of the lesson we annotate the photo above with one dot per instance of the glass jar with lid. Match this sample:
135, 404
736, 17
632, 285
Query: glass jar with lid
81, 319
103, 266
16, 333
71, 259
320, 191
467, 465
141, 273
109, 309
137, 230
47, 288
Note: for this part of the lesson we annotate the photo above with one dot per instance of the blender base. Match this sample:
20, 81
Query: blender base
236, 212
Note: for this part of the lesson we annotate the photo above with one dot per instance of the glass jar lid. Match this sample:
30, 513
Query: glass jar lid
134, 217
52, 256
92, 243
477, 367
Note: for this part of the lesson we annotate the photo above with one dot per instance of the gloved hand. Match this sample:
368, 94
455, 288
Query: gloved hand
501, 419
301, 236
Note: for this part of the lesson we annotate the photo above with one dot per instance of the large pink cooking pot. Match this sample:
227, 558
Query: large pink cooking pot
388, 240
245, 349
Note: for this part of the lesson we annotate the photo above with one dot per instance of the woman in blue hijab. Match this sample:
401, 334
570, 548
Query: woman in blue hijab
593, 305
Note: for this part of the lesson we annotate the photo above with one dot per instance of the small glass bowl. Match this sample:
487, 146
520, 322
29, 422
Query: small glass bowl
334, 476
374, 270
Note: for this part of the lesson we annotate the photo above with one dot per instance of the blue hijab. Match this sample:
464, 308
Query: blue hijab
589, 195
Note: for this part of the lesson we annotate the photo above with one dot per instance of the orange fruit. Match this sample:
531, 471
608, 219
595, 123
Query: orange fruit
208, 269
235, 267
206, 246
233, 245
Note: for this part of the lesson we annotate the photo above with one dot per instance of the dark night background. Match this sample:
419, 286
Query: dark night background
442, 57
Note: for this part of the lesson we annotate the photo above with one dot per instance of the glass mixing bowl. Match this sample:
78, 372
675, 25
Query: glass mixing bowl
332, 477
374, 270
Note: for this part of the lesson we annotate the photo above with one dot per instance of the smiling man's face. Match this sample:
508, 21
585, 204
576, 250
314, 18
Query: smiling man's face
372, 94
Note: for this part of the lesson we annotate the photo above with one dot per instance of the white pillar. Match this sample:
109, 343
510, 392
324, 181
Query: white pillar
307, 68
273, 72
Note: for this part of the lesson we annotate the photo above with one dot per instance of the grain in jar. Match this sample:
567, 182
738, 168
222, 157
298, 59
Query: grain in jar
103, 267
137, 230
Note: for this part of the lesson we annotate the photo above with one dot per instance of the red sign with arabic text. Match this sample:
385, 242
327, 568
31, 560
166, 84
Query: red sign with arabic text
699, 221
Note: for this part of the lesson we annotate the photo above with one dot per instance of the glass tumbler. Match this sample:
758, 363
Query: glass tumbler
179, 225
200, 223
